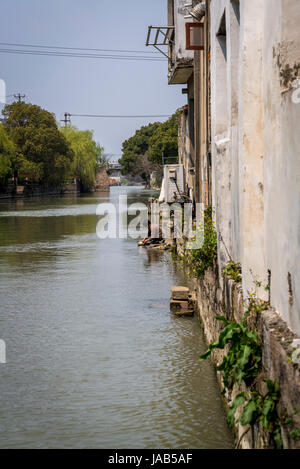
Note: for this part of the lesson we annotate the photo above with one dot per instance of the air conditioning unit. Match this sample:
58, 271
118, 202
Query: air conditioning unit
173, 185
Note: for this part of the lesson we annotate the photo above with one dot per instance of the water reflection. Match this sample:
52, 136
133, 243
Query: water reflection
95, 359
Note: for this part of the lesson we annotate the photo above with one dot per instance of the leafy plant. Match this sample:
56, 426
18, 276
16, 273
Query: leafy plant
243, 360
233, 271
295, 434
203, 258
259, 408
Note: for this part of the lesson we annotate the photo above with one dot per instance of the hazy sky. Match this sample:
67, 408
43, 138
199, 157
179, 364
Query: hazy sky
88, 86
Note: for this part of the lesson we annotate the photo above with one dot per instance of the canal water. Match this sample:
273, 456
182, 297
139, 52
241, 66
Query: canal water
94, 357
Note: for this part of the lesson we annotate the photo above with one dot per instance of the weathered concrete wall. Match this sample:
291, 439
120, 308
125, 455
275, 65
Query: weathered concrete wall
251, 145
8, 191
237, 134
255, 141
281, 59
71, 188
221, 156
255, 144
255, 105
184, 151
179, 49
102, 181
35, 190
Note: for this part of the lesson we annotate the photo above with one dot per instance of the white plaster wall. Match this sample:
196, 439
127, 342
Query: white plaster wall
233, 110
251, 146
221, 159
256, 170
238, 163
180, 11
281, 48
256, 167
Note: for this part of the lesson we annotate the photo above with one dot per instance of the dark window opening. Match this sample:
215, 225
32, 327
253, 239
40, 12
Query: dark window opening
236, 8
222, 36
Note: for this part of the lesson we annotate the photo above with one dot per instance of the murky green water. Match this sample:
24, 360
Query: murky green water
94, 357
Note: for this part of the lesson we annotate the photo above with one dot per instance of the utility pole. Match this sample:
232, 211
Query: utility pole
67, 119
19, 97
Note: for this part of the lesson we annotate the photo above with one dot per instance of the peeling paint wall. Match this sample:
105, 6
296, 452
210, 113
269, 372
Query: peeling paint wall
281, 60
184, 151
180, 11
255, 63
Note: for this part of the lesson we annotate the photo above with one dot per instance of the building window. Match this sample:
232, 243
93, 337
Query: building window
194, 36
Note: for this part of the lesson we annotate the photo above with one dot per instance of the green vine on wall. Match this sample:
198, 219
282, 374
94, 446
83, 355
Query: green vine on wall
203, 258
243, 363
243, 360
233, 271
259, 408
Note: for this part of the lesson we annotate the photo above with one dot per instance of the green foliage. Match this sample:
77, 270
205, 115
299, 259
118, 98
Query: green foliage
87, 155
238, 401
256, 306
203, 258
40, 148
26, 169
143, 152
7, 152
243, 360
295, 434
259, 408
233, 271
164, 142
243, 363
136, 147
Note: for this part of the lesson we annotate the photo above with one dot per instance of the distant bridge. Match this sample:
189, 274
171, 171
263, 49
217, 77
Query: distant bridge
114, 172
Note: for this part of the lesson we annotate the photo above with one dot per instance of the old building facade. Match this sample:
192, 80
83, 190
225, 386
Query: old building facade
238, 62
256, 142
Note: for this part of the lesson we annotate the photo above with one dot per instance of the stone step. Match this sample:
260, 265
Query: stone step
180, 293
185, 313
178, 305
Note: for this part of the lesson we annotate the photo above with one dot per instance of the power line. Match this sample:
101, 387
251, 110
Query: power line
75, 48
85, 56
119, 116
67, 119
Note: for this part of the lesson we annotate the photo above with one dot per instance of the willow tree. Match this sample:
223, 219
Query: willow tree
87, 155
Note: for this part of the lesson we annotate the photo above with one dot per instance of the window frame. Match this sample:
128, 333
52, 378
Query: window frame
188, 27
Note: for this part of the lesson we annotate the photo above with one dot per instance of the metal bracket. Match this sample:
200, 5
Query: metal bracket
165, 31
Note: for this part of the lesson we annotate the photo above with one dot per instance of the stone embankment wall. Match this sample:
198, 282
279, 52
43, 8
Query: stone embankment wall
35, 190
217, 296
102, 181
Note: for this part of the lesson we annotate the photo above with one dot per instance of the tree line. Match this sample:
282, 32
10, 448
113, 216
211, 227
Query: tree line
144, 152
34, 148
